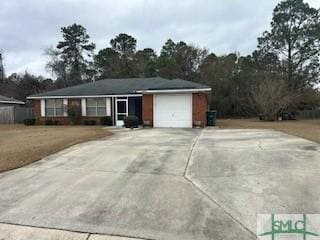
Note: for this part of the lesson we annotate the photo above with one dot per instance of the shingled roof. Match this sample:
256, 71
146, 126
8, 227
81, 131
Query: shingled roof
122, 86
4, 99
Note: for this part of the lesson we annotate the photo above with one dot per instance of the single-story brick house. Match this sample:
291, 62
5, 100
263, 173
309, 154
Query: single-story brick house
7, 101
157, 101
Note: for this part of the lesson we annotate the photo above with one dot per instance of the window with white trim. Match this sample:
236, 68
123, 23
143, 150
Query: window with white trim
54, 107
96, 107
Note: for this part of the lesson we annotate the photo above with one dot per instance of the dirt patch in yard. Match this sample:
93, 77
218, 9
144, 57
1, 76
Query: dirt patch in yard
21, 145
308, 129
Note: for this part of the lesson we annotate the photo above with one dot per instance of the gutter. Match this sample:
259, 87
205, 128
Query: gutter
13, 102
84, 96
176, 90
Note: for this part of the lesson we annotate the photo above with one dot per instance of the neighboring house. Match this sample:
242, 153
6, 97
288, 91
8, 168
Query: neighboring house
156, 101
6, 101
12, 110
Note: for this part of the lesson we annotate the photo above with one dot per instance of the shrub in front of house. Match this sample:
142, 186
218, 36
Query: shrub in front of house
50, 122
131, 121
74, 113
90, 122
29, 121
106, 121
93, 122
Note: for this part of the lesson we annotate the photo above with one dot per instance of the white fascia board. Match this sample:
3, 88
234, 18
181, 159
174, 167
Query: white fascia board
12, 102
176, 90
92, 96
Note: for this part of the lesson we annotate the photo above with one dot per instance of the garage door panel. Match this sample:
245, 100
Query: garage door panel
173, 110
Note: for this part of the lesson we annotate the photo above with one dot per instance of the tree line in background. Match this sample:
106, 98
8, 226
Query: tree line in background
280, 75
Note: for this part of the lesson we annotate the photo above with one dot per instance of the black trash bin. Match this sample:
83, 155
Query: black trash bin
211, 118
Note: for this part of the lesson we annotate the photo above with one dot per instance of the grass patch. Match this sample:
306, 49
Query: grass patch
21, 145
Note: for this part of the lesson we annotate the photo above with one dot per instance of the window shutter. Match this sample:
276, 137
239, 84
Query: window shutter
83, 107
43, 107
108, 106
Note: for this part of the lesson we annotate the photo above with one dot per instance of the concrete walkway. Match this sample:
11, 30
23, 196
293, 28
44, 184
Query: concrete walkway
162, 184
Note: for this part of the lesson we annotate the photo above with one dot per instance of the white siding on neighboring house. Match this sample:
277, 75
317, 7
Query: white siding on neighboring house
84, 106
43, 107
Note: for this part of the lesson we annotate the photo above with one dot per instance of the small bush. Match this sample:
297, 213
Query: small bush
131, 121
51, 122
29, 121
106, 121
48, 122
90, 122
74, 113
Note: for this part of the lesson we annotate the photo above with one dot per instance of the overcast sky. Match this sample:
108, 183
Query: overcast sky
222, 26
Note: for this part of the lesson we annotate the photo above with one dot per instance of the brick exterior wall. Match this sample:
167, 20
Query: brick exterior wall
199, 108
60, 120
37, 108
147, 108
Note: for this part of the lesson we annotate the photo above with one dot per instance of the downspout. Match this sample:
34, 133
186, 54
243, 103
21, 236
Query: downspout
113, 111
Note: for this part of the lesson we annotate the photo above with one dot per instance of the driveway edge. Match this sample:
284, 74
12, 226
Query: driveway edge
11, 231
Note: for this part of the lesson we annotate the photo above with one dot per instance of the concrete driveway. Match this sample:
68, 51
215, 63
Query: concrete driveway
166, 184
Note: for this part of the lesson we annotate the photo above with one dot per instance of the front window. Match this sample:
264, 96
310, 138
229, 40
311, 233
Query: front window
54, 107
96, 107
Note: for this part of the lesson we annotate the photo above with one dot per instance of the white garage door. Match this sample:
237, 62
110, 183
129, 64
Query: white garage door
173, 110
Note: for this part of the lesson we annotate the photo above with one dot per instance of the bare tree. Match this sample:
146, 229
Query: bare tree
271, 95
55, 65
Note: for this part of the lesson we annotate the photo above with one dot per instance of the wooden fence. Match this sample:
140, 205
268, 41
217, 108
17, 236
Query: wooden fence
14, 114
